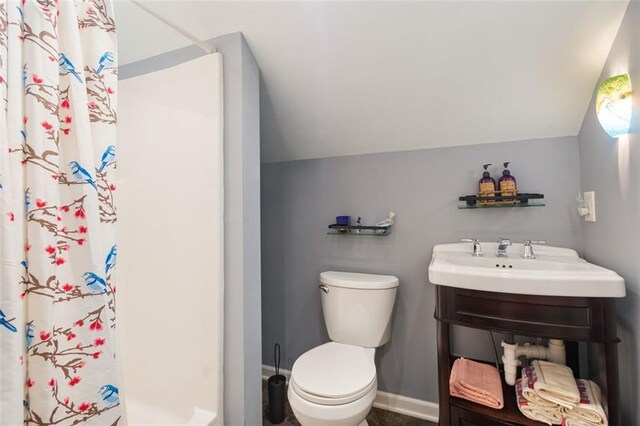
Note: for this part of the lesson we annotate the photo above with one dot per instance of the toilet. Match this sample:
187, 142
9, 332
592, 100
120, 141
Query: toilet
335, 383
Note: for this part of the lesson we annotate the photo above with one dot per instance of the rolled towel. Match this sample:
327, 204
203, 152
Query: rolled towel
589, 411
555, 383
476, 382
544, 414
528, 379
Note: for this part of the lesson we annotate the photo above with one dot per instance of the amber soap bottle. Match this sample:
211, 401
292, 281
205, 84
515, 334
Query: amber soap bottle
487, 186
507, 183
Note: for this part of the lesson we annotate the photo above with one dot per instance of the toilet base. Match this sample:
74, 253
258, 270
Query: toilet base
350, 414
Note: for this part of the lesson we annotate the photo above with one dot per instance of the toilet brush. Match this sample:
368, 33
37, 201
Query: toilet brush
277, 390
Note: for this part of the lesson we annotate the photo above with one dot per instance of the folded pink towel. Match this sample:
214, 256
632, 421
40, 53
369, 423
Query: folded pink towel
476, 382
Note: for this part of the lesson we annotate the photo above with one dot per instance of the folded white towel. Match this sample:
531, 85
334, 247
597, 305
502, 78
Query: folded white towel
555, 383
528, 379
589, 411
548, 415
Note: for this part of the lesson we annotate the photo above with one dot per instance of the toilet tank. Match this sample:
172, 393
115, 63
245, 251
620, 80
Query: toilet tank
357, 307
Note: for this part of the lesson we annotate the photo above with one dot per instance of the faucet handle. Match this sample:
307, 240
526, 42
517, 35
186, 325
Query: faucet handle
477, 248
528, 248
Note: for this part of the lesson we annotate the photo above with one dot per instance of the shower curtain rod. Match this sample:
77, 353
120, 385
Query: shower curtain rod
201, 44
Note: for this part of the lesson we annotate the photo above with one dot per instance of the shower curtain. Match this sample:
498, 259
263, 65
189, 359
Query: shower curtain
58, 80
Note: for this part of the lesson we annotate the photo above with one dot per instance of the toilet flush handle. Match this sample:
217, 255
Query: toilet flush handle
324, 288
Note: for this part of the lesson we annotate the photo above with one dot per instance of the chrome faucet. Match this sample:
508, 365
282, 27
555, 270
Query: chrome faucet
503, 243
528, 248
477, 248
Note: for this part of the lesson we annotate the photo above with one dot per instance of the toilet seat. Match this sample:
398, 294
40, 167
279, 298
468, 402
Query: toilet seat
323, 400
334, 374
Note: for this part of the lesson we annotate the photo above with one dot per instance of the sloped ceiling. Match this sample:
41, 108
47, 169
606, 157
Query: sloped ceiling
342, 78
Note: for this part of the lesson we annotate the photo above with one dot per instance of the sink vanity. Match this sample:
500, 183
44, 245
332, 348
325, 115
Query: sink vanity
550, 292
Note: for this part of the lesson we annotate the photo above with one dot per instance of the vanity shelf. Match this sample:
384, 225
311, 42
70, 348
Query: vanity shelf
355, 230
500, 201
573, 319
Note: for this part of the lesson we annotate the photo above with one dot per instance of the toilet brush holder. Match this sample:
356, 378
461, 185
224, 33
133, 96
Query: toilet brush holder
277, 385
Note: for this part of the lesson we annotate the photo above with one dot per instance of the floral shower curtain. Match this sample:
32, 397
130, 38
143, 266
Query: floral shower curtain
58, 80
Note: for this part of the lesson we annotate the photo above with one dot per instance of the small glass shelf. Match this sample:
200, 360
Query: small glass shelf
501, 201
501, 206
359, 231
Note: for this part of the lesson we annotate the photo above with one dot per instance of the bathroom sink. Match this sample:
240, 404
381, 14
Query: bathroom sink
554, 272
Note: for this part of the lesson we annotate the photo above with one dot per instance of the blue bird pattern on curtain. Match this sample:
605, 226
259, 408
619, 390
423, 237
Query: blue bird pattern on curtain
81, 175
67, 66
58, 83
110, 394
6, 323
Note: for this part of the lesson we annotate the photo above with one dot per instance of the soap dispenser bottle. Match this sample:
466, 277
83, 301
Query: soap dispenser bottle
487, 186
507, 184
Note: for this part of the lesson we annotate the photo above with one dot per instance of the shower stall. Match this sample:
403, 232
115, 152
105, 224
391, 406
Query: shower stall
171, 242
189, 234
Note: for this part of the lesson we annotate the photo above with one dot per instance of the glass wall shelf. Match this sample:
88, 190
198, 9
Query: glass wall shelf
359, 231
501, 201
501, 206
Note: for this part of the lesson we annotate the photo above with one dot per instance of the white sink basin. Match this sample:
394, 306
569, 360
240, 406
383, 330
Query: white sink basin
554, 272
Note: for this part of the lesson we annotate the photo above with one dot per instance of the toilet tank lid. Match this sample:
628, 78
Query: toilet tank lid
358, 281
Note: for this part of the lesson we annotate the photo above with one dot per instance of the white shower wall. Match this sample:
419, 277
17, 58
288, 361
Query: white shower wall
170, 304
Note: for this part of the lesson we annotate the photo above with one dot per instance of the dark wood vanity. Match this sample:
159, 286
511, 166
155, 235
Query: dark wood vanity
573, 319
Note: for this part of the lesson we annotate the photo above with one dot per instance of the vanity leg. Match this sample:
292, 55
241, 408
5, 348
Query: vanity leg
608, 359
444, 369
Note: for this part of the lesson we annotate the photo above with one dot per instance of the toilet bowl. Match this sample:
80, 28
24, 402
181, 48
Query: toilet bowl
335, 383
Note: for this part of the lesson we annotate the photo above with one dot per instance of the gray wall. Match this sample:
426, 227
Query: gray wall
611, 168
242, 328
300, 198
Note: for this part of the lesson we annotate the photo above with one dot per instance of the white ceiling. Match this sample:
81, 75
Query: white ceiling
343, 78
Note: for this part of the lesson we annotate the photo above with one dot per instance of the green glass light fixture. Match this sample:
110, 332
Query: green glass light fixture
614, 105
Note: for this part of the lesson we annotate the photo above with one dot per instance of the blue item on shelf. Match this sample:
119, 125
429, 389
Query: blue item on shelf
343, 220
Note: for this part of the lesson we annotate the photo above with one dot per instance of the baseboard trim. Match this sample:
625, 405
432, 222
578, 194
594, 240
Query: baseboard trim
387, 401
405, 405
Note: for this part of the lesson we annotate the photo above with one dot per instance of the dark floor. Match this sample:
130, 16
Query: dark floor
376, 417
